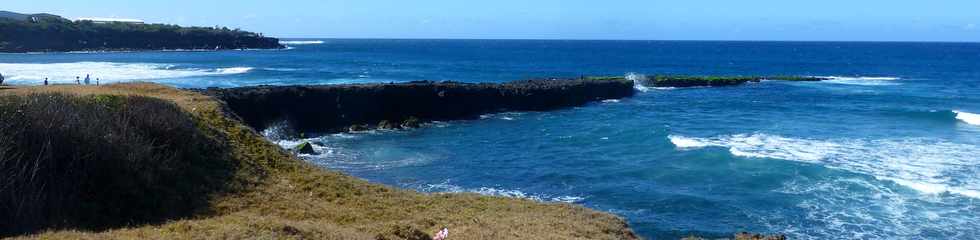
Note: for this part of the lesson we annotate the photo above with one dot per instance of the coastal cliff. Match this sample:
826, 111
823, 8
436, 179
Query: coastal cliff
231, 183
337, 108
50, 33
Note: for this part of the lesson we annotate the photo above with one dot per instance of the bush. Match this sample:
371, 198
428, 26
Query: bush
102, 161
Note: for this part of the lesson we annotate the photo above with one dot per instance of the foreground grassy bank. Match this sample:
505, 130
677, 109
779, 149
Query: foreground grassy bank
255, 189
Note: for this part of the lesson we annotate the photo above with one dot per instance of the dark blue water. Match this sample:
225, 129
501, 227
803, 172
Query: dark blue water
889, 150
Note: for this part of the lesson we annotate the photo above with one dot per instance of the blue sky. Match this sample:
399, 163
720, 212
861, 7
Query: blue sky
853, 20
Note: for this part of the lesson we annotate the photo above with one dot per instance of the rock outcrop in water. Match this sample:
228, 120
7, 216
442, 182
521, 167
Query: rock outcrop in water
338, 108
707, 81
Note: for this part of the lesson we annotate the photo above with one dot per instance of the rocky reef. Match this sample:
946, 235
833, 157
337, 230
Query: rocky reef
678, 81
338, 108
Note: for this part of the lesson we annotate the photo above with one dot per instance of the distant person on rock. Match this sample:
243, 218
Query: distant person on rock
88, 79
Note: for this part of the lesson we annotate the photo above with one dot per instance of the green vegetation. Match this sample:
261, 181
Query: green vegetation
605, 78
53, 33
796, 78
102, 161
268, 193
692, 81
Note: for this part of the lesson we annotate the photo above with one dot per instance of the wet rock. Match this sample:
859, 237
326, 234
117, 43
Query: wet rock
305, 148
387, 125
412, 122
358, 128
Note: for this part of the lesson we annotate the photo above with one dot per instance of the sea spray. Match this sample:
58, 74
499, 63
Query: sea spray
969, 118
639, 81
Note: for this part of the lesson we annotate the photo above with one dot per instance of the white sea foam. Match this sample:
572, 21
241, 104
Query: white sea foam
864, 78
498, 192
107, 72
610, 101
864, 81
969, 118
313, 42
232, 70
928, 166
860, 208
507, 116
688, 143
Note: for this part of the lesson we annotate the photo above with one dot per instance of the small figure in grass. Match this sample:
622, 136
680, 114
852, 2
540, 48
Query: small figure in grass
442, 235
45, 81
97, 80
88, 79
78, 80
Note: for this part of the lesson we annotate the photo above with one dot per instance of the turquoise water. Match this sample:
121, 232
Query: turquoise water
888, 150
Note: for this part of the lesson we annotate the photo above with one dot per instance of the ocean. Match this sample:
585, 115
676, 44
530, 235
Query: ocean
888, 149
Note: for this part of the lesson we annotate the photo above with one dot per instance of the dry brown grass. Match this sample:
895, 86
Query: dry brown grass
283, 197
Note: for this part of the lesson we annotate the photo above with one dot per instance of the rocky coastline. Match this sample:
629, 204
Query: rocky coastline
340, 108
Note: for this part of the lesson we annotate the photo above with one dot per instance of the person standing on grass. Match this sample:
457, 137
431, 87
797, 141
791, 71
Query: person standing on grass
88, 79
78, 81
45, 81
97, 80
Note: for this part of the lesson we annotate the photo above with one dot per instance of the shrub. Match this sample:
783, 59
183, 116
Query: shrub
102, 161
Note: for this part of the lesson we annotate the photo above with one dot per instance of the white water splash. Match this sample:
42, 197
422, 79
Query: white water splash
638, 81
969, 118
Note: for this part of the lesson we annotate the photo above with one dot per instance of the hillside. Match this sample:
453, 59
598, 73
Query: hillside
264, 193
50, 33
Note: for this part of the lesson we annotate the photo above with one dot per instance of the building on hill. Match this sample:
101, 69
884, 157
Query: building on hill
111, 20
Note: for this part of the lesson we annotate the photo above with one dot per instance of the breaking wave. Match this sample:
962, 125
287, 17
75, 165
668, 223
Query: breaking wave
927, 166
301, 42
497, 192
107, 72
864, 81
969, 118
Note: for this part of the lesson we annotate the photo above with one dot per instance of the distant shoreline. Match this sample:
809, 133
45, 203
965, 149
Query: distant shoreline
622, 40
51, 33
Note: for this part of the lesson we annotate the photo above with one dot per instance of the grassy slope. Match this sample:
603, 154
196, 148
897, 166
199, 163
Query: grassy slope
282, 197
